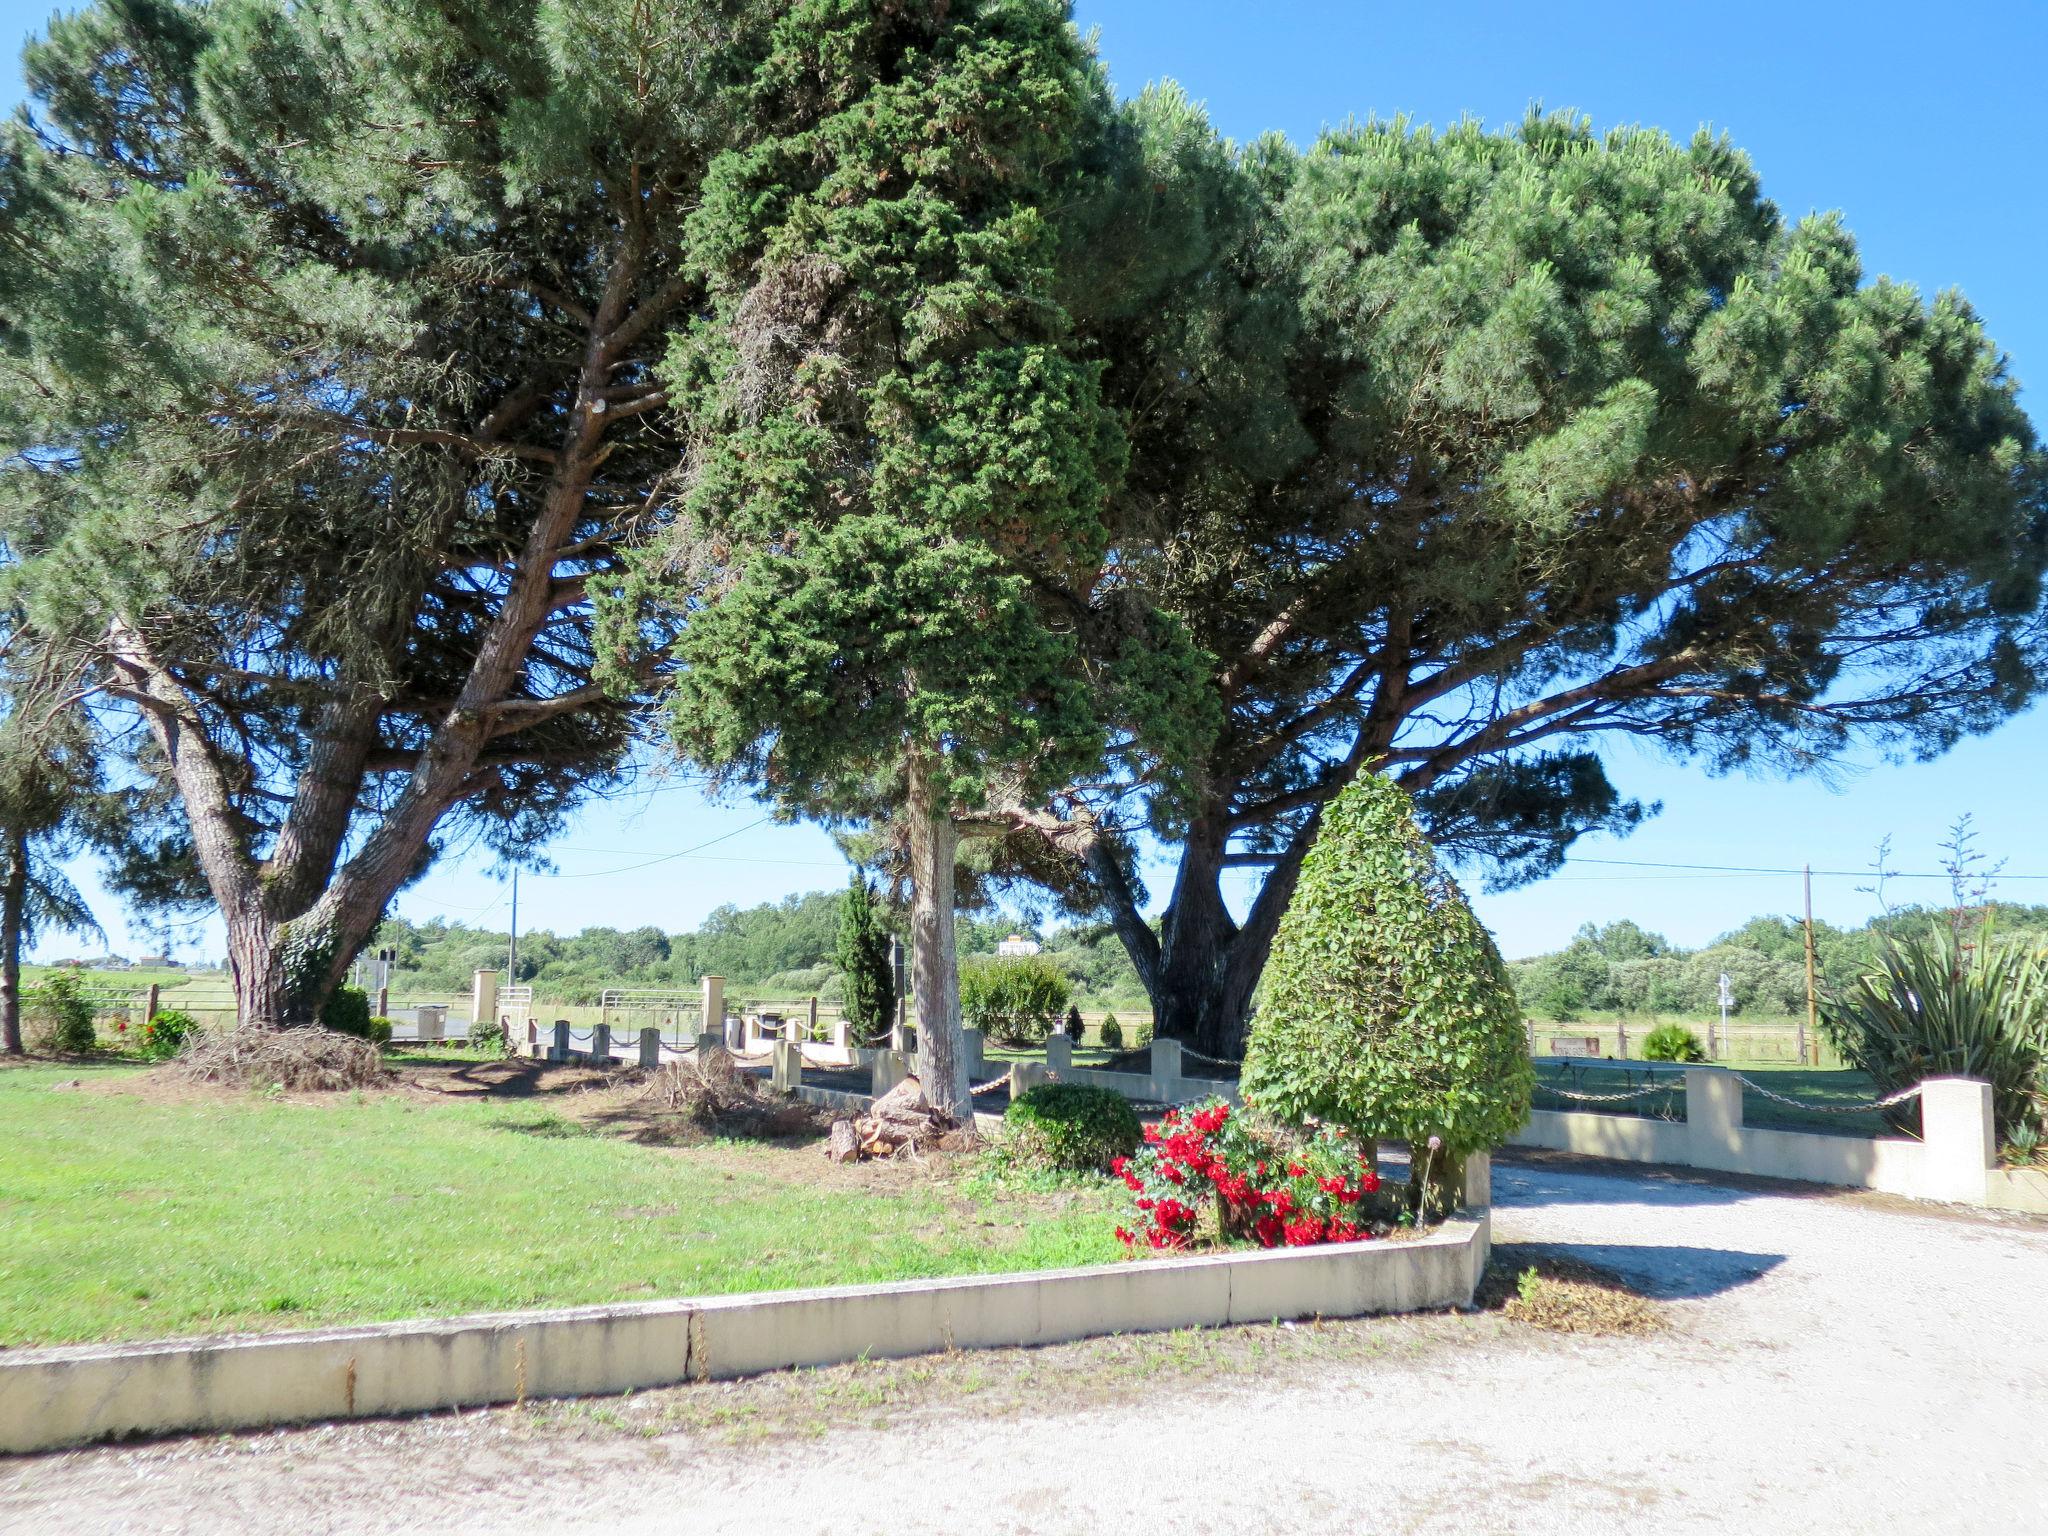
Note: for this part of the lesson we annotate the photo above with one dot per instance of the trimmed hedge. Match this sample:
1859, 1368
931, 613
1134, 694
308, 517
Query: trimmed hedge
1071, 1127
1386, 1006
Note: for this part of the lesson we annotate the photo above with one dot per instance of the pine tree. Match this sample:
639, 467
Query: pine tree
1459, 450
332, 328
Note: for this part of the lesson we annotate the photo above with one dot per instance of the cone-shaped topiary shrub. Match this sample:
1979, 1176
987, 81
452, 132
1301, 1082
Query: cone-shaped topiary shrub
1386, 1007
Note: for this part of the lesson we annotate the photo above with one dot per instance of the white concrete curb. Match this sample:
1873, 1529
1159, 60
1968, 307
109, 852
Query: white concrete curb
75, 1394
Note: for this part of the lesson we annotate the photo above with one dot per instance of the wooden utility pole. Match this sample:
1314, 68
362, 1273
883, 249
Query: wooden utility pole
1809, 1035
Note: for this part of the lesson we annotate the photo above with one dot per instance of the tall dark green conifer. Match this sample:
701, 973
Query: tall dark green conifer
866, 977
895, 525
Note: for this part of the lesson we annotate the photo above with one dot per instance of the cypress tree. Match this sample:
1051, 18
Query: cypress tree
866, 977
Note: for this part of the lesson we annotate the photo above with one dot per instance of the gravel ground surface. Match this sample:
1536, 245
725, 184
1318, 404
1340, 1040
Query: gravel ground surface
1834, 1363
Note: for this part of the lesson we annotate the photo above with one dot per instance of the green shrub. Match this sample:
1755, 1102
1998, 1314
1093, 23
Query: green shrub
1076, 1026
1673, 1042
490, 1037
1015, 999
377, 1031
164, 1035
1934, 1006
1112, 1033
1386, 1007
1070, 1127
59, 1016
347, 1012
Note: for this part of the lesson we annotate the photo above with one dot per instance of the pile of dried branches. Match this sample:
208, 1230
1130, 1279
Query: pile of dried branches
297, 1060
711, 1092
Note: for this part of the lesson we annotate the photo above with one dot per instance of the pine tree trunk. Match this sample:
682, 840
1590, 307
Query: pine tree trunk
1202, 969
13, 904
934, 848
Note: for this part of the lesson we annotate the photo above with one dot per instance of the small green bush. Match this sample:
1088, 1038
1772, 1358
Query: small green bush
1070, 1127
163, 1036
347, 1012
1673, 1042
1017, 1000
377, 1031
490, 1037
1076, 1027
60, 1016
1112, 1033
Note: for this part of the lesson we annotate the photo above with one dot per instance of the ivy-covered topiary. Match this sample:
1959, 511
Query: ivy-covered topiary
1386, 1007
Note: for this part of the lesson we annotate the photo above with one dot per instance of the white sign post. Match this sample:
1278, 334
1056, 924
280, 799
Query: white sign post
1727, 1001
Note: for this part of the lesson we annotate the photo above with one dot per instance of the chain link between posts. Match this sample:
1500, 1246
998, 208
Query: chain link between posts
1832, 1109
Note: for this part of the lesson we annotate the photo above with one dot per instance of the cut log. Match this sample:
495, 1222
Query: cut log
844, 1147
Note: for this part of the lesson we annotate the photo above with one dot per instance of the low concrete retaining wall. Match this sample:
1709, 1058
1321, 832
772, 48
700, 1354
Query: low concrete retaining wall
1954, 1161
73, 1395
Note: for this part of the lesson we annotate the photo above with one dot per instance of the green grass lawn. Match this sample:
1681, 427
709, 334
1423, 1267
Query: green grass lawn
129, 1211
1814, 1084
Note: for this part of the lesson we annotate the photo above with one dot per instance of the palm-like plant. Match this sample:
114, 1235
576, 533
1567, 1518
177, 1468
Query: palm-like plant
1938, 1005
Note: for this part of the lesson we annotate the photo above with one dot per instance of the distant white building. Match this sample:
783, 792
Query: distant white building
1017, 944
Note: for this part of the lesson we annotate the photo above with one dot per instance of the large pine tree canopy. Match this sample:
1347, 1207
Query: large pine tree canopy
1453, 450
331, 329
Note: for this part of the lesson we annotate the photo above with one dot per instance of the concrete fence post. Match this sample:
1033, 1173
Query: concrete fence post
1059, 1052
1713, 1118
811, 1023
786, 1066
842, 1034
149, 1009
601, 1044
971, 1045
1959, 1133
483, 996
890, 1068
650, 1048
532, 1040
1478, 1181
708, 1044
1163, 1061
712, 1002
560, 1052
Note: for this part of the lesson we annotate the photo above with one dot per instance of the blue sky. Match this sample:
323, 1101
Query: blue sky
1922, 124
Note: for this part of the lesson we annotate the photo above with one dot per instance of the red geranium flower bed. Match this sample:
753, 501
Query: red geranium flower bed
1274, 1193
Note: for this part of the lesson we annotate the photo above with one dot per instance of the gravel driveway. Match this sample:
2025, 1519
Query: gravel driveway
1836, 1363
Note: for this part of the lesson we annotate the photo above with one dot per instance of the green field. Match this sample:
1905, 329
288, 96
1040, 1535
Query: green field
132, 1210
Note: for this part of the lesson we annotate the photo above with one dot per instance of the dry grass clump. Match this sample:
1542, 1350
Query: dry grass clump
296, 1060
1564, 1295
711, 1093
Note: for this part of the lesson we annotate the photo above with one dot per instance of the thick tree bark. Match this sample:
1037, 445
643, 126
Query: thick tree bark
13, 905
1202, 968
935, 968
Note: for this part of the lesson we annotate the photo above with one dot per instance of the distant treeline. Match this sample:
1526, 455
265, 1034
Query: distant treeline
1622, 968
779, 948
